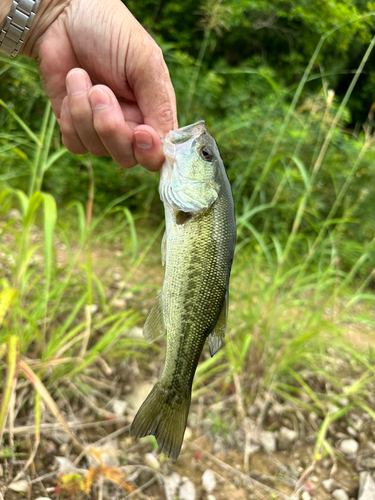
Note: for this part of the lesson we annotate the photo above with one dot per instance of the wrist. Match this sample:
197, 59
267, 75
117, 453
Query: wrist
47, 13
5, 6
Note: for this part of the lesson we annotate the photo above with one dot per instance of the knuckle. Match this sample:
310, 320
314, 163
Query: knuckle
80, 115
106, 128
165, 112
74, 147
98, 151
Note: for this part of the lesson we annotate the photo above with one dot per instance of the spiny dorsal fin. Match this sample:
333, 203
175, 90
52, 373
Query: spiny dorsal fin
216, 337
154, 327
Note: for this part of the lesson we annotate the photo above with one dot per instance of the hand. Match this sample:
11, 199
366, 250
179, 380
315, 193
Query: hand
106, 79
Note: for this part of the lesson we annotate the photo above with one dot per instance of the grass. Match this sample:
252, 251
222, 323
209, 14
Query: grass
291, 299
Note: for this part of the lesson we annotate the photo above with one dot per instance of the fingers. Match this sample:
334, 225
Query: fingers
93, 120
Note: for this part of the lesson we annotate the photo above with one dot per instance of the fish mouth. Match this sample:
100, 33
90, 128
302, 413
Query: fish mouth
180, 136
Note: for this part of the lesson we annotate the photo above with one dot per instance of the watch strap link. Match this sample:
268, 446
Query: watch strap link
17, 25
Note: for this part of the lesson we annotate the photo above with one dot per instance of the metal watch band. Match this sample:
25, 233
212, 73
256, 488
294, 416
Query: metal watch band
17, 25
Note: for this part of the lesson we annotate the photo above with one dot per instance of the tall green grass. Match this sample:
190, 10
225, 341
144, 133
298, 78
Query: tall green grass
294, 288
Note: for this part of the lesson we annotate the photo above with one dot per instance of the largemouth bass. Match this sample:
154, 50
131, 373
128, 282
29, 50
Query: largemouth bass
197, 250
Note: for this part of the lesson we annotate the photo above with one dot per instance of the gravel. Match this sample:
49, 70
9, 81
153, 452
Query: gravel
349, 446
340, 495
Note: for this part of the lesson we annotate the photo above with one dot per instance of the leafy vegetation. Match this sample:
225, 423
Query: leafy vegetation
286, 89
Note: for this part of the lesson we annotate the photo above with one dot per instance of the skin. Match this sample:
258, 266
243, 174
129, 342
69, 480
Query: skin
105, 77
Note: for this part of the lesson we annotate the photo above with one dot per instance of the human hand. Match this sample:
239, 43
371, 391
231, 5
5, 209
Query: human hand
106, 79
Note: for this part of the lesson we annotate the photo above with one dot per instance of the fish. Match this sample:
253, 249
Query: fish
197, 251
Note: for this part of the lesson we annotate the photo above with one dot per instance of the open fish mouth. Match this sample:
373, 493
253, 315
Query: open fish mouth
180, 136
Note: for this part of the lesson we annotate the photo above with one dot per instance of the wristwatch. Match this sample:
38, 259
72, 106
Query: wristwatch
17, 25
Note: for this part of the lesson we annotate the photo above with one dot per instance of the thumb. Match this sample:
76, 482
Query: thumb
153, 89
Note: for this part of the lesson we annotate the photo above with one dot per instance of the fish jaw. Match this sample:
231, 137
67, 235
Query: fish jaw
187, 182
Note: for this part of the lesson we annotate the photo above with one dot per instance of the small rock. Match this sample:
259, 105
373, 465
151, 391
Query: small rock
65, 465
305, 495
63, 448
210, 497
14, 213
209, 480
116, 276
343, 401
188, 433
21, 486
329, 485
119, 407
172, 482
340, 495
135, 333
369, 463
268, 441
351, 431
151, 461
107, 455
349, 446
357, 424
366, 487
186, 491
94, 308
119, 303
286, 438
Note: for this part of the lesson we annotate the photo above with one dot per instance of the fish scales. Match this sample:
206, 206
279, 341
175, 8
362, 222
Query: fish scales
198, 251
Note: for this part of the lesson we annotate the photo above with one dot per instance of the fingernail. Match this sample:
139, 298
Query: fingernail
99, 98
76, 83
142, 139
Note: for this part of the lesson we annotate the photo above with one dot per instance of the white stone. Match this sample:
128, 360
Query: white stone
209, 480
119, 303
340, 495
107, 455
344, 401
151, 461
349, 446
305, 496
21, 486
210, 497
119, 407
172, 482
135, 333
268, 441
94, 308
351, 431
186, 491
329, 485
65, 465
366, 487
286, 438
116, 276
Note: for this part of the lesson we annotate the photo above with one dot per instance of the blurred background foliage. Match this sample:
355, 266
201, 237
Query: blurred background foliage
237, 64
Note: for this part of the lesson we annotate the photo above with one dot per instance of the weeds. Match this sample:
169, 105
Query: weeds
292, 294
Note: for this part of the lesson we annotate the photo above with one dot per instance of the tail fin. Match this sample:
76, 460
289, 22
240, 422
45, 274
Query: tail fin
163, 417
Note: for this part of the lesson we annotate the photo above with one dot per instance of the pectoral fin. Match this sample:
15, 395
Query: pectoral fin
216, 337
154, 327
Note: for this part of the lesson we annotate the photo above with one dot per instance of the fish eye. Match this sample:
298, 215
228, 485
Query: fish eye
206, 153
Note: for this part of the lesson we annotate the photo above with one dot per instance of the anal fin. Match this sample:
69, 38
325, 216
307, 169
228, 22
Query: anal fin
216, 337
154, 327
